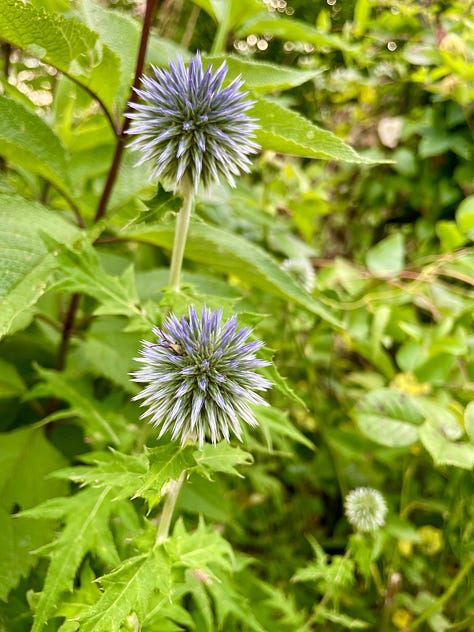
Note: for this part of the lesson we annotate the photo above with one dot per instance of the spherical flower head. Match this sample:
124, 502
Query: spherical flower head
302, 271
200, 377
365, 509
190, 127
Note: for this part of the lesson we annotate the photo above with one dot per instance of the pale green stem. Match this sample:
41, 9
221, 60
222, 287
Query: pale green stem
218, 45
180, 234
168, 509
445, 597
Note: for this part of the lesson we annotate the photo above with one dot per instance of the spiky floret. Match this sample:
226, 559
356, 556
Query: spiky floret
200, 377
190, 126
365, 509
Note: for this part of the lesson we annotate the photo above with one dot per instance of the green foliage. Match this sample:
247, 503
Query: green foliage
365, 122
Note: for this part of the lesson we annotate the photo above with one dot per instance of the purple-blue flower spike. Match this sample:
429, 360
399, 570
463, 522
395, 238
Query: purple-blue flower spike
189, 126
200, 377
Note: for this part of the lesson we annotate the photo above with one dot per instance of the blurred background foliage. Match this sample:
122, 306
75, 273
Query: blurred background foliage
391, 248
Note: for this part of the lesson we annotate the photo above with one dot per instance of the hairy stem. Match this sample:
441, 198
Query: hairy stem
168, 509
180, 234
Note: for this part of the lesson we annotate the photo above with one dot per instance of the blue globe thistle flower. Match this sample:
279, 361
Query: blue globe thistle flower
365, 509
190, 127
200, 377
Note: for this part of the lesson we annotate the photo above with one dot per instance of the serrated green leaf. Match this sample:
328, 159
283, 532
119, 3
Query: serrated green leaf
26, 458
86, 516
82, 272
221, 458
25, 263
166, 463
445, 451
115, 470
204, 549
388, 417
287, 132
262, 76
232, 254
127, 589
230, 603
26, 140
66, 44
98, 420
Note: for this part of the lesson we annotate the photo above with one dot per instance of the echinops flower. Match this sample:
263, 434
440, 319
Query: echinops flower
365, 509
189, 126
200, 377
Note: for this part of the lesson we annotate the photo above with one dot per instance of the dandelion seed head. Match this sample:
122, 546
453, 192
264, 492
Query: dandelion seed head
200, 377
189, 127
365, 509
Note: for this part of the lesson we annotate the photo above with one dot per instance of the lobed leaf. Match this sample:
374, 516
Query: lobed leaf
166, 463
86, 516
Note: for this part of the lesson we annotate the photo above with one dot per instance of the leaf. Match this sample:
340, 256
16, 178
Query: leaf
166, 463
98, 421
287, 132
204, 549
11, 383
231, 254
275, 423
25, 263
26, 458
86, 516
65, 43
109, 353
444, 451
262, 76
117, 471
128, 589
82, 272
388, 417
387, 257
221, 458
27, 141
